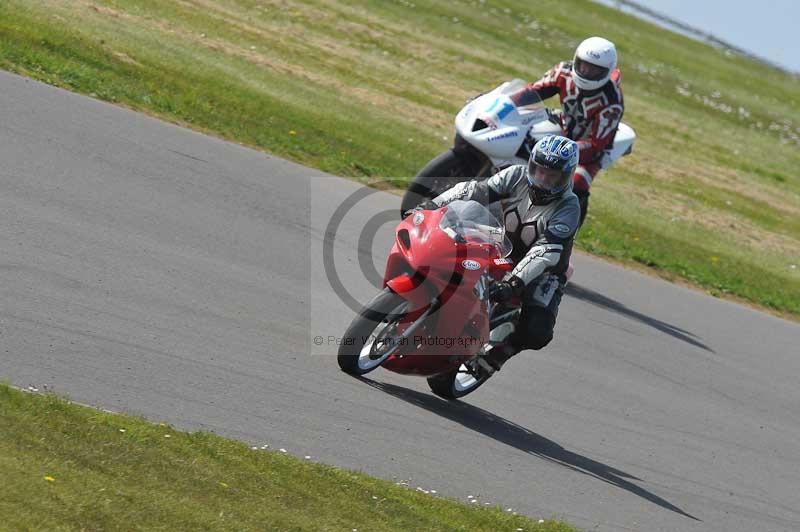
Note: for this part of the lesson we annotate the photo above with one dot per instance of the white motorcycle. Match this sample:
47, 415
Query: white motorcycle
491, 134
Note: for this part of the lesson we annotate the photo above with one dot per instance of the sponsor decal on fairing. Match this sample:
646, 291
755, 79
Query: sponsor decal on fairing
470, 264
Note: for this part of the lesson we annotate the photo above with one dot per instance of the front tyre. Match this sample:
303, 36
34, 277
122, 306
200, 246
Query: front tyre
438, 175
371, 336
459, 382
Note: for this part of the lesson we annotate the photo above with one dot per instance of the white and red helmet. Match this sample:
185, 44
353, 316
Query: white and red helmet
593, 63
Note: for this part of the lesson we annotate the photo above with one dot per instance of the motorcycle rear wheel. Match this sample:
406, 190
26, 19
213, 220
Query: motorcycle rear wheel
456, 384
367, 342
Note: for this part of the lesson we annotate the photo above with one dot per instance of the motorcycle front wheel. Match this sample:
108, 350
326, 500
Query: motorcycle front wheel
371, 336
441, 173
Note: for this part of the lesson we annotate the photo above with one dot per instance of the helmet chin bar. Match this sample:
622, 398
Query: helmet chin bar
558, 177
540, 196
589, 71
585, 84
543, 196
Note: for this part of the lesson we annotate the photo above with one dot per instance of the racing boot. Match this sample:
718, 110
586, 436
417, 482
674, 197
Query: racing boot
494, 357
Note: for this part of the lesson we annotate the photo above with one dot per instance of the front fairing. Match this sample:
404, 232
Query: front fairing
496, 126
427, 251
454, 243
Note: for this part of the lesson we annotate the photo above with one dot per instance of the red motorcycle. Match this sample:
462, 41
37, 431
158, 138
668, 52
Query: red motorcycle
431, 318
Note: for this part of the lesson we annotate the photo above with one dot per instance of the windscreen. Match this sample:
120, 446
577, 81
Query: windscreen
469, 221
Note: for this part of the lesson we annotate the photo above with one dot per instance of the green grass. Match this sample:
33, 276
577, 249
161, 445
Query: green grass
69, 467
368, 89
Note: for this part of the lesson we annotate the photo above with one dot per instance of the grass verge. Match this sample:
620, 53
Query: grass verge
368, 89
70, 467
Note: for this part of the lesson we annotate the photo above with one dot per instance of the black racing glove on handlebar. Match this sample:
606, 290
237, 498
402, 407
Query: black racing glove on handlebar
427, 205
504, 290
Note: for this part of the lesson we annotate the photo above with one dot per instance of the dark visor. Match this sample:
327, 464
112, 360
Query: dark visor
588, 70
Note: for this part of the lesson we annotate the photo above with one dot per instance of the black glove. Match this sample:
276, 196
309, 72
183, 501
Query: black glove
427, 205
504, 290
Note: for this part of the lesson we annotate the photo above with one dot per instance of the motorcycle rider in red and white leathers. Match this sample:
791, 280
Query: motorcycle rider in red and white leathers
591, 99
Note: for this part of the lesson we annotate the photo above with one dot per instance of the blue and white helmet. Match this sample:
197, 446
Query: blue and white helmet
550, 168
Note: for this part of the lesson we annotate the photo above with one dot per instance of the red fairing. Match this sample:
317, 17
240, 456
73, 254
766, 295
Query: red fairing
501, 266
402, 284
424, 264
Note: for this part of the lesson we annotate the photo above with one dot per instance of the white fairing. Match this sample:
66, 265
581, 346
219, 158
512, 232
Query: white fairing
623, 142
507, 127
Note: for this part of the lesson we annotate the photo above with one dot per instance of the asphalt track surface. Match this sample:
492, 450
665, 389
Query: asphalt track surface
150, 269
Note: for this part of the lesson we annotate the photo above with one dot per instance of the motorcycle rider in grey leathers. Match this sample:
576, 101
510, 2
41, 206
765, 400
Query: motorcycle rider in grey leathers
541, 215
